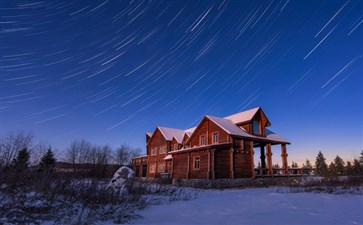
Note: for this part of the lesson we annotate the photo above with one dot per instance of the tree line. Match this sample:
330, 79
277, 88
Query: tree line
18, 151
336, 168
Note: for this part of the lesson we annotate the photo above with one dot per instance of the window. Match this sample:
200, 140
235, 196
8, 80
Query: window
202, 140
153, 151
215, 137
256, 127
196, 163
152, 168
162, 168
176, 147
162, 149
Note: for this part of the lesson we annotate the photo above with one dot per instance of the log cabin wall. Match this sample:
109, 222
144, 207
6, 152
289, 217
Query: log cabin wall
157, 141
180, 165
222, 162
202, 172
208, 128
242, 158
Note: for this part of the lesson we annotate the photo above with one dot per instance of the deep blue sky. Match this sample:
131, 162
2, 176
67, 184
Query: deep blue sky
108, 71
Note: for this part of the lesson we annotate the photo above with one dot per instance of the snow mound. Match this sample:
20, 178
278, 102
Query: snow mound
122, 180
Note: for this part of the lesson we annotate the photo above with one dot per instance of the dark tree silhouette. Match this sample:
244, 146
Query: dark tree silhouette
21, 162
47, 161
320, 165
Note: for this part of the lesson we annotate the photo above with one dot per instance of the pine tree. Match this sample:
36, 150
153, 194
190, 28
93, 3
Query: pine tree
332, 169
349, 169
47, 161
21, 162
339, 166
320, 165
307, 167
357, 168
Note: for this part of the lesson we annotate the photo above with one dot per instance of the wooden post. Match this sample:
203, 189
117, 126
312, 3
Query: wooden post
252, 152
231, 172
263, 158
188, 168
208, 172
212, 163
269, 158
284, 158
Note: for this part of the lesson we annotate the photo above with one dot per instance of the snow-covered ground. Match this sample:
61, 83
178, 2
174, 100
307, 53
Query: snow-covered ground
258, 206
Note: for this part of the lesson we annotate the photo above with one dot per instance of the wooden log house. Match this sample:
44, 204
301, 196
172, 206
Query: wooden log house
215, 148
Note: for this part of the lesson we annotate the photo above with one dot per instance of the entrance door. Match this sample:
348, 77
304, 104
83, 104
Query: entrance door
144, 170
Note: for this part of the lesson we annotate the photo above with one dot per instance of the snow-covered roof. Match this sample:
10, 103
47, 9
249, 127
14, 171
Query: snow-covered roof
167, 157
243, 116
190, 131
149, 134
274, 137
229, 127
169, 133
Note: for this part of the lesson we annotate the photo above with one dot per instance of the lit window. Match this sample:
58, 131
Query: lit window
162, 149
162, 168
196, 163
152, 168
202, 140
215, 137
176, 147
256, 127
153, 151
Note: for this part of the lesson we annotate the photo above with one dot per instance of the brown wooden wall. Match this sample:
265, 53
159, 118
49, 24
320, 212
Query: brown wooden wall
222, 163
242, 159
180, 166
207, 127
202, 173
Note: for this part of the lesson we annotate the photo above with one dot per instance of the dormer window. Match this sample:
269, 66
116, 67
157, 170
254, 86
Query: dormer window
202, 140
162, 149
215, 137
153, 151
256, 128
176, 146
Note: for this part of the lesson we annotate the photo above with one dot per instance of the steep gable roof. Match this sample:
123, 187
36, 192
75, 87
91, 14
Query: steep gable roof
169, 133
243, 116
229, 127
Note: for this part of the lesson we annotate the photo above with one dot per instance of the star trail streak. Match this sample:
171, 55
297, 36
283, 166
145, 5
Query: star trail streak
109, 70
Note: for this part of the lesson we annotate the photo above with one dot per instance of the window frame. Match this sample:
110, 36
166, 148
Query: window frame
152, 168
213, 135
161, 165
204, 140
259, 127
154, 150
176, 146
196, 162
160, 149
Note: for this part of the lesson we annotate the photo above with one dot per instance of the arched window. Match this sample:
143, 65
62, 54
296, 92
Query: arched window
256, 128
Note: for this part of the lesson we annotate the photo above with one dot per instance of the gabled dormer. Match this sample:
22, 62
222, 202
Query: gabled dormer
252, 121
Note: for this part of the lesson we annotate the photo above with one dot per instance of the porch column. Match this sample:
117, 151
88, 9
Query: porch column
188, 168
231, 172
252, 152
284, 158
269, 159
263, 158
212, 161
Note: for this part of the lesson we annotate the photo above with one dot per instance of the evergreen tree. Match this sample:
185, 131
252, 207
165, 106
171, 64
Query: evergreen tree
21, 162
349, 169
320, 165
47, 161
332, 169
339, 166
307, 167
357, 168
361, 157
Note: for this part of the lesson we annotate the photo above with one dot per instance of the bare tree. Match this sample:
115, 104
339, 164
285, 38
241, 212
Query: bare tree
12, 143
125, 153
78, 152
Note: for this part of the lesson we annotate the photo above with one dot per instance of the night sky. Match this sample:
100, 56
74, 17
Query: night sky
108, 71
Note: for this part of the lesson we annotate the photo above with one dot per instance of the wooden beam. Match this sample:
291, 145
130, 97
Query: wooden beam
269, 159
252, 152
284, 158
188, 168
212, 163
231, 169
209, 164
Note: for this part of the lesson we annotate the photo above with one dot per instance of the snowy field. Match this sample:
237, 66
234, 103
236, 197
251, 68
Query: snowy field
258, 206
